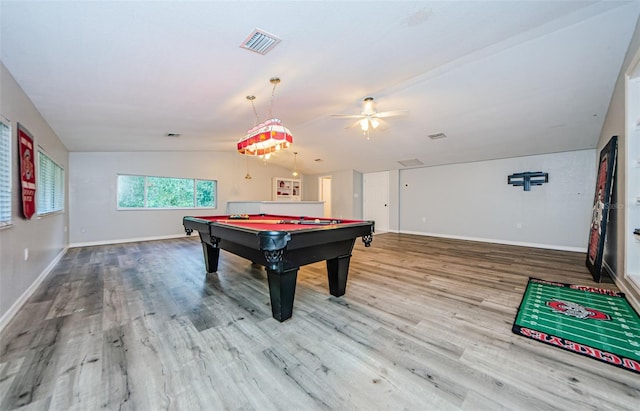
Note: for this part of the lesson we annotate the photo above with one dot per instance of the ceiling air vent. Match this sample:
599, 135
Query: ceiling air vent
437, 136
260, 41
411, 163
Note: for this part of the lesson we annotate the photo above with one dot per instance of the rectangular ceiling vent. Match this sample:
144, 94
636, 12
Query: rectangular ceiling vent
260, 41
411, 163
437, 136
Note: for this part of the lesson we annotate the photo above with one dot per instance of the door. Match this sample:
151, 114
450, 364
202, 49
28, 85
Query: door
375, 199
325, 194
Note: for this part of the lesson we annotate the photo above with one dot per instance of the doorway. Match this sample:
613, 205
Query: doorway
325, 194
375, 199
631, 160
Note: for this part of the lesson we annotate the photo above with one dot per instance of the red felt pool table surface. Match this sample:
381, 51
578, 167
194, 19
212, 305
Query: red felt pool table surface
270, 222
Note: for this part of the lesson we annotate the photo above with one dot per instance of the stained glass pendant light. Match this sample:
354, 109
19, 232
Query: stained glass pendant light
268, 136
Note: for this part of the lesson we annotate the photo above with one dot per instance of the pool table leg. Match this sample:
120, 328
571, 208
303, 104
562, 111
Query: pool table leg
338, 269
282, 289
211, 256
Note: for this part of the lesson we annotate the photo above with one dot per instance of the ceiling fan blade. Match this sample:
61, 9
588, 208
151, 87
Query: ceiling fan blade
348, 115
355, 123
376, 123
383, 125
393, 113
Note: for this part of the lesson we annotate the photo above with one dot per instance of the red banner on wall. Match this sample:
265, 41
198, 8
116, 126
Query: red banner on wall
27, 172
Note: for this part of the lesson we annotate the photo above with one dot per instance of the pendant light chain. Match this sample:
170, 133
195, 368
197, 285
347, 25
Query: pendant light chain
251, 98
295, 164
275, 81
248, 176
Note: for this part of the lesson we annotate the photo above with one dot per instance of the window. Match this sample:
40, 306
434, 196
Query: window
50, 185
5, 172
165, 192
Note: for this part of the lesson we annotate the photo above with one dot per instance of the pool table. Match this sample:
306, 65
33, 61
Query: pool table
282, 244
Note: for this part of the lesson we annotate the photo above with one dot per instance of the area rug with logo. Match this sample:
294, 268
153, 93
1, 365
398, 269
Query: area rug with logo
594, 322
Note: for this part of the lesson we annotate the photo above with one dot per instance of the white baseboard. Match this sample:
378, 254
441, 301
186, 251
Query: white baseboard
506, 242
126, 240
13, 310
631, 289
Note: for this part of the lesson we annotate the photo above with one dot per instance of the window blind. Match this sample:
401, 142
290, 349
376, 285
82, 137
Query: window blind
50, 185
5, 172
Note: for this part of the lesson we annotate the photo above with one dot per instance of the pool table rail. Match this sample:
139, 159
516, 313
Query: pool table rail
283, 252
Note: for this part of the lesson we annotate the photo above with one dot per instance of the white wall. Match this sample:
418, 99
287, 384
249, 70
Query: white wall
310, 187
93, 189
394, 200
346, 192
474, 201
357, 190
614, 125
342, 194
44, 237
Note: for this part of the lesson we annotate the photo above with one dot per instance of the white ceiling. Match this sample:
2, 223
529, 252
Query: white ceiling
501, 79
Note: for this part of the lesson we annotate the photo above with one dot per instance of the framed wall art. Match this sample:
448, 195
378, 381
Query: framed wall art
27, 171
601, 206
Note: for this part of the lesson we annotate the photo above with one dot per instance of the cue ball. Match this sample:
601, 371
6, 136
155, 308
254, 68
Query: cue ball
317, 220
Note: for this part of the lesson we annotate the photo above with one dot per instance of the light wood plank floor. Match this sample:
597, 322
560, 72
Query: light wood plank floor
425, 325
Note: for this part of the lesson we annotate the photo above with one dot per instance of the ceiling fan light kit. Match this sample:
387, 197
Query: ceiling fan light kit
368, 106
369, 118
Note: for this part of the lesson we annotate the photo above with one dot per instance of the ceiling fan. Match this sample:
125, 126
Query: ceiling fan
369, 118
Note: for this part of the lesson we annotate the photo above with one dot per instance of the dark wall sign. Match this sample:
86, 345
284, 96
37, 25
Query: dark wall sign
601, 206
27, 172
